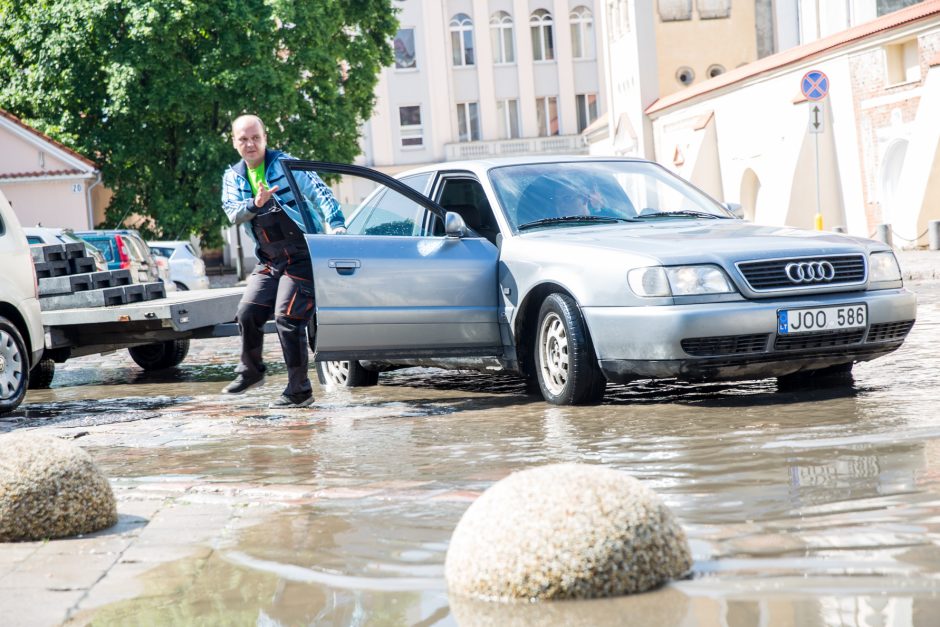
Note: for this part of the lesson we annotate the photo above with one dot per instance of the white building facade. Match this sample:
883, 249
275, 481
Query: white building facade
476, 78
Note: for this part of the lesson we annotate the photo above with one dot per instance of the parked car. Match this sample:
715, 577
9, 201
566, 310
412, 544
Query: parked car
21, 330
126, 249
46, 235
577, 271
187, 270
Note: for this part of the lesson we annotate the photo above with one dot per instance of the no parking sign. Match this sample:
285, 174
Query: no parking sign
815, 85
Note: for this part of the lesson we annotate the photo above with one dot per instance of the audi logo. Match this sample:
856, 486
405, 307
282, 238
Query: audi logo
810, 272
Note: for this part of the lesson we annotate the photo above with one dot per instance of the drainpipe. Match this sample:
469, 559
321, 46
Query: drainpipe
88, 206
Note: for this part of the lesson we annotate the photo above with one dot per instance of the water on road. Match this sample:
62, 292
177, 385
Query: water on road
803, 507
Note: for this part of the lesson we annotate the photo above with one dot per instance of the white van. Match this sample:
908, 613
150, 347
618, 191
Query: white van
21, 332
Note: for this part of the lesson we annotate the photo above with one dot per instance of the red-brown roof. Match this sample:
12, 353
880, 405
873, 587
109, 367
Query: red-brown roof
40, 173
46, 138
913, 13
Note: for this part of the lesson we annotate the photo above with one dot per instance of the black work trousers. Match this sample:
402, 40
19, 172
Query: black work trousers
282, 281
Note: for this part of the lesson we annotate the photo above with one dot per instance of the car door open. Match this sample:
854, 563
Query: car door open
389, 288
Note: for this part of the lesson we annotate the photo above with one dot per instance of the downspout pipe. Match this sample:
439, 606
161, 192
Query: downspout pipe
88, 206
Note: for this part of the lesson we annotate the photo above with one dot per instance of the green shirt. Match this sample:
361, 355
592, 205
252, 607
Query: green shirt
256, 178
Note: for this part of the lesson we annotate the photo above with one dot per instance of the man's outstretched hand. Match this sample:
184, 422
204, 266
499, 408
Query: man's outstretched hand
264, 195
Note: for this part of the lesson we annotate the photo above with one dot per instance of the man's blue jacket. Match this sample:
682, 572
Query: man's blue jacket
239, 204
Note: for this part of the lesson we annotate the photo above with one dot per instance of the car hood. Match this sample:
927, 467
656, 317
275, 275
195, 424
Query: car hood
696, 241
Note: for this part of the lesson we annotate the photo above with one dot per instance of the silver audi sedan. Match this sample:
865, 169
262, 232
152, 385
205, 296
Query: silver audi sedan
575, 271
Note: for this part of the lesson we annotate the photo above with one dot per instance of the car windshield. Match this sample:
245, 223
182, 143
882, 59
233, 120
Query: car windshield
163, 251
588, 193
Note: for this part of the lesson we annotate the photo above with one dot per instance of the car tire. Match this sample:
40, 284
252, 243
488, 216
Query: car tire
14, 367
40, 377
180, 286
565, 363
161, 355
348, 374
820, 377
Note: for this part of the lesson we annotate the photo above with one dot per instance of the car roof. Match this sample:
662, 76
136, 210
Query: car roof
167, 243
483, 165
42, 230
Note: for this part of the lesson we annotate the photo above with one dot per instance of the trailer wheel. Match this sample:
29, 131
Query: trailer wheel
14, 367
160, 355
40, 377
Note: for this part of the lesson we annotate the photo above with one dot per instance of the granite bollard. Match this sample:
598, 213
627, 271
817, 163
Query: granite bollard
565, 531
50, 488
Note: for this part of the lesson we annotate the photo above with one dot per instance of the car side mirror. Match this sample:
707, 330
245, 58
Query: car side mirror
736, 209
454, 226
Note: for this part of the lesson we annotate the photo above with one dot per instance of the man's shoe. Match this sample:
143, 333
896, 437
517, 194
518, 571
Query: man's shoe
301, 399
242, 384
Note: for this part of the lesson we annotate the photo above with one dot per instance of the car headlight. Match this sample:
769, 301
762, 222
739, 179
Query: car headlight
679, 281
883, 267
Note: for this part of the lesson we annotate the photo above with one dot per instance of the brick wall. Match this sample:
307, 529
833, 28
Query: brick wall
882, 110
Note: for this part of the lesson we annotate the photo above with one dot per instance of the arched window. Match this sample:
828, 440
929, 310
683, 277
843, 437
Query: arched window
461, 39
543, 38
582, 33
501, 36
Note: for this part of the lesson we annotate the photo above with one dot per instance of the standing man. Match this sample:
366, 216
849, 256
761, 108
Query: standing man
255, 191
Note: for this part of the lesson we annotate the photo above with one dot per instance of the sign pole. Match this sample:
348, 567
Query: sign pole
818, 222
815, 87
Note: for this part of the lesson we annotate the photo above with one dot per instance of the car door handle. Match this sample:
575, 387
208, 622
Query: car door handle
344, 266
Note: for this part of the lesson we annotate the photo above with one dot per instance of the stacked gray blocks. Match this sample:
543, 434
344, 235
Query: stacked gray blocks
68, 279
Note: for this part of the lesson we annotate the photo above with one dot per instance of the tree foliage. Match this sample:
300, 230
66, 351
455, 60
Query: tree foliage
148, 88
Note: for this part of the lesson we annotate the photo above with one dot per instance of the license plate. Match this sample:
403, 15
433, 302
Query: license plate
790, 321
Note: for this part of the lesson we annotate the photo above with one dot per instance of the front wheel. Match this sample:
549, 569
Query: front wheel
348, 374
14, 367
565, 364
161, 355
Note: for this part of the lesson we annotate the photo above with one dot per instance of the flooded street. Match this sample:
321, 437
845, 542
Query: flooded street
803, 507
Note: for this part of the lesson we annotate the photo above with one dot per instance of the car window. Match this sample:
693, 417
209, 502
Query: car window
32, 239
417, 182
105, 245
163, 251
394, 215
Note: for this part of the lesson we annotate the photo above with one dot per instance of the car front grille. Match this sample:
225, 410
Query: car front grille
725, 345
829, 339
771, 274
889, 331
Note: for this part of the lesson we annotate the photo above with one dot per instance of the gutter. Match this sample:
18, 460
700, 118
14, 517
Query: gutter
88, 205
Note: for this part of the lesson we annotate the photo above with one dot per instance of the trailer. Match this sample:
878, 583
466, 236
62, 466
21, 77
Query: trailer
85, 311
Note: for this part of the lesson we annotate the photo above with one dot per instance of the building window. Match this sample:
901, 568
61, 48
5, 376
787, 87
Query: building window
547, 112
582, 33
461, 39
543, 38
468, 122
889, 6
675, 10
405, 49
412, 133
501, 36
685, 76
587, 110
715, 70
508, 111
902, 62
713, 9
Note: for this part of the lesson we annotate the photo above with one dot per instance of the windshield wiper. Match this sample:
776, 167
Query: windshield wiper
672, 214
563, 219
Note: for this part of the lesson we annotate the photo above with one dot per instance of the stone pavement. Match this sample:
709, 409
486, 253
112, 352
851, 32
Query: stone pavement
919, 264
